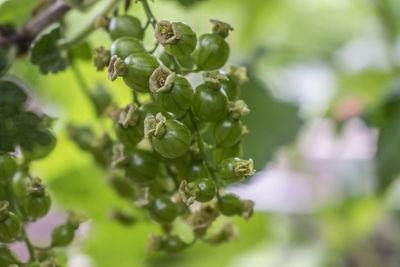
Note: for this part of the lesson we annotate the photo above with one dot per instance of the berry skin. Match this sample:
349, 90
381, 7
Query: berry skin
125, 25
177, 38
212, 52
62, 235
207, 189
8, 167
221, 153
172, 244
173, 92
42, 149
231, 89
227, 132
170, 138
129, 136
234, 170
209, 104
230, 205
197, 170
163, 210
10, 227
37, 206
7, 257
142, 166
185, 62
125, 46
18, 184
139, 68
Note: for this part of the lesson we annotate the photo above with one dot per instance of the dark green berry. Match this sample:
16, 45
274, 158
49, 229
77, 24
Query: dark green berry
163, 210
196, 170
209, 104
125, 46
8, 167
37, 205
10, 224
142, 166
212, 52
221, 153
206, 188
62, 235
173, 92
234, 170
227, 132
230, 205
172, 244
125, 25
177, 38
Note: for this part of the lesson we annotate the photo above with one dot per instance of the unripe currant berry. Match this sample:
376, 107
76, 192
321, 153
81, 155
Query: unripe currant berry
10, 224
125, 46
212, 52
41, 149
185, 61
170, 138
197, 170
173, 92
163, 210
230, 205
209, 104
227, 132
125, 25
142, 166
38, 202
19, 181
135, 70
172, 244
62, 235
234, 170
202, 190
122, 185
221, 153
127, 126
177, 38
147, 110
7, 257
8, 167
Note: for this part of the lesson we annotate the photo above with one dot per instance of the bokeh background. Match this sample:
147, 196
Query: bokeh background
324, 135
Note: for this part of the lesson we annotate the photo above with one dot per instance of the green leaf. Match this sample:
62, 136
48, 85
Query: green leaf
45, 53
82, 51
271, 122
387, 119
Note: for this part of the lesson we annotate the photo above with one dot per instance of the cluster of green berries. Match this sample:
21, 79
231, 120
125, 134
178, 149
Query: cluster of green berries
159, 158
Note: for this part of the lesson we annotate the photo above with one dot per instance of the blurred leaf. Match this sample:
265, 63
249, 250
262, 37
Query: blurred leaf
45, 53
271, 122
386, 118
82, 51
16, 12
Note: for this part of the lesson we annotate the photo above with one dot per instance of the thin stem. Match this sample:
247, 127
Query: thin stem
150, 17
154, 49
136, 99
89, 28
13, 203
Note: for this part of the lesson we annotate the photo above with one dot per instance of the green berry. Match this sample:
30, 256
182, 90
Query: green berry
10, 224
197, 170
173, 92
170, 138
163, 210
8, 167
231, 89
230, 205
62, 235
227, 132
18, 184
177, 38
142, 166
209, 104
37, 205
234, 170
221, 153
206, 188
125, 46
125, 25
212, 52
172, 244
